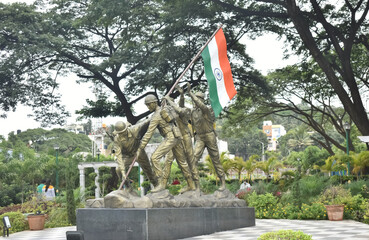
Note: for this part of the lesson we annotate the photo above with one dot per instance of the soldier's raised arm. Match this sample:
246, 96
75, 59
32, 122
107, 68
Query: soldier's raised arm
199, 103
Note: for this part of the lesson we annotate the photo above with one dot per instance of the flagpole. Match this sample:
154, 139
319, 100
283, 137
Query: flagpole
193, 60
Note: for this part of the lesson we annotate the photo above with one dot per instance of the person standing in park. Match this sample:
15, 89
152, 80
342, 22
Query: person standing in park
48, 191
164, 122
127, 140
202, 121
39, 187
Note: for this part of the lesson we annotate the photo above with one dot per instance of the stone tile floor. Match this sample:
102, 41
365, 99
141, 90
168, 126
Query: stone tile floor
323, 229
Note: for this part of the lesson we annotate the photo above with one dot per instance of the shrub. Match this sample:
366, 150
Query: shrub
292, 211
357, 187
335, 195
174, 189
261, 187
306, 189
264, 204
285, 235
58, 217
243, 193
366, 214
208, 186
233, 186
355, 208
17, 221
314, 211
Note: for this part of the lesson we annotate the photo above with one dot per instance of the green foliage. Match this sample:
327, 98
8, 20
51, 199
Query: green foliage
71, 203
243, 140
315, 211
207, 185
17, 221
355, 208
104, 177
233, 186
58, 217
174, 189
285, 235
335, 195
43, 141
261, 187
264, 203
358, 187
36, 205
307, 188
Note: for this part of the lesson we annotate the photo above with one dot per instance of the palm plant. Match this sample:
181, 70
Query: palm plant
266, 166
328, 166
224, 160
238, 165
361, 161
301, 139
251, 166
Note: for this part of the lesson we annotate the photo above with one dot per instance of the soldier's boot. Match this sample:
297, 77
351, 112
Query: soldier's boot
223, 185
154, 181
197, 185
190, 185
158, 188
161, 186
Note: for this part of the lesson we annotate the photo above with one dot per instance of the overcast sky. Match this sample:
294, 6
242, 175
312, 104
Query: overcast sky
266, 51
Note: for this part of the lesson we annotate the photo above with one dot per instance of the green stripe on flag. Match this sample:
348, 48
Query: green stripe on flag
213, 93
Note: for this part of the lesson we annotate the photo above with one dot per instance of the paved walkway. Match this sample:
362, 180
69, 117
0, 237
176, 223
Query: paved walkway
323, 229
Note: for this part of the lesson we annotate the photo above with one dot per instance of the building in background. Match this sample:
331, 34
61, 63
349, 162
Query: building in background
76, 128
273, 132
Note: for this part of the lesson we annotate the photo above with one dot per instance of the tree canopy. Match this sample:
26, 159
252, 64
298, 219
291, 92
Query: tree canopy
128, 48
335, 36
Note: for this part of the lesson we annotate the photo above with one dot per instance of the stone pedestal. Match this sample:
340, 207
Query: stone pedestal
160, 223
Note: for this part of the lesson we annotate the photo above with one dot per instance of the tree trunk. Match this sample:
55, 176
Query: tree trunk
354, 108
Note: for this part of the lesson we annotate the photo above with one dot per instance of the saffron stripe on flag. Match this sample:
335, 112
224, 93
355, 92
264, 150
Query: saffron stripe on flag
224, 64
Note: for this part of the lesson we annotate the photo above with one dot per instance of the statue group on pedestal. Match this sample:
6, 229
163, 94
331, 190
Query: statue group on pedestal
172, 121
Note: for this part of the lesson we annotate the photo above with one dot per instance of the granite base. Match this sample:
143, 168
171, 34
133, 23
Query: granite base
160, 223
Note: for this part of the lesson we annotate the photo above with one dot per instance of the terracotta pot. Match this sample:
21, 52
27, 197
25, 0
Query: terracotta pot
36, 222
335, 212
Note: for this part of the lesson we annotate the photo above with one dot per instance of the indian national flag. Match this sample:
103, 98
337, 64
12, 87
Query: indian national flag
218, 72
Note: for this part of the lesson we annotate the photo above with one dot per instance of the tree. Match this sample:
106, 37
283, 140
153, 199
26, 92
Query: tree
331, 34
22, 72
127, 49
243, 140
42, 140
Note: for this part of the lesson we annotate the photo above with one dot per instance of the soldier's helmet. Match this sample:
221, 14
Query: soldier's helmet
200, 95
150, 98
120, 127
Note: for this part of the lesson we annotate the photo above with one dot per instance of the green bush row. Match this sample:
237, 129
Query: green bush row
17, 221
271, 206
285, 235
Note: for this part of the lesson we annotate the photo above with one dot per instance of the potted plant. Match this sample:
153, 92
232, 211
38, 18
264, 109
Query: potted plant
36, 220
333, 199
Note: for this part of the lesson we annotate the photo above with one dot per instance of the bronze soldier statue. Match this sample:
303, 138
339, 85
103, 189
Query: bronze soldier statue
127, 140
164, 121
184, 115
202, 121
